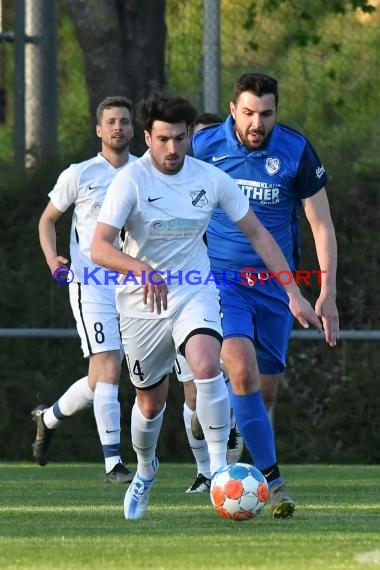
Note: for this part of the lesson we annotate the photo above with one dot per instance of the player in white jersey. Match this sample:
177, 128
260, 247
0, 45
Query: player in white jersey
167, 297
84, 186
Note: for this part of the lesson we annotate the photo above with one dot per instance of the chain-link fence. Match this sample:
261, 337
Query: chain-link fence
325, 65
319, 67
43, 95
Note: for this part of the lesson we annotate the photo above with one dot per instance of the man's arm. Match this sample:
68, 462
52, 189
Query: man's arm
48, 237
317, 212
269, 251
104, 253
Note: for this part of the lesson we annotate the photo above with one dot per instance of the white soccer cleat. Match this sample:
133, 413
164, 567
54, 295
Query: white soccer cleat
137, 496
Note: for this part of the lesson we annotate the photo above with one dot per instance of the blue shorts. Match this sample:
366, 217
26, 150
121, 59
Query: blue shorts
262, 314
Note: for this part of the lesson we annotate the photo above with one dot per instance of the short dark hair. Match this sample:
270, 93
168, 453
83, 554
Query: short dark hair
164, 107
114, 101
207, 119
259, 83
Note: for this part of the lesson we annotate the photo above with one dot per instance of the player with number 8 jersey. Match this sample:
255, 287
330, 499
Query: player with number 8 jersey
84, 186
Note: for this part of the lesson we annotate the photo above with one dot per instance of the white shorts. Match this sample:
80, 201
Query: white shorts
182, 369
97, 319
151, 345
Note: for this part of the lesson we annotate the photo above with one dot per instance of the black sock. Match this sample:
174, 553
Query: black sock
271, 473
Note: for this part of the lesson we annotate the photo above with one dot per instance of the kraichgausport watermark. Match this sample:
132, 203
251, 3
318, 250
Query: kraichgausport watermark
63, 276
248, 276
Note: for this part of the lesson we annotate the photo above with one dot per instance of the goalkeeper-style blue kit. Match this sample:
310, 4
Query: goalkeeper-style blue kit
275, 178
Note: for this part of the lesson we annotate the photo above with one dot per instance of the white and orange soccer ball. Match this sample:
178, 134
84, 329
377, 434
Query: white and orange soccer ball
239, 491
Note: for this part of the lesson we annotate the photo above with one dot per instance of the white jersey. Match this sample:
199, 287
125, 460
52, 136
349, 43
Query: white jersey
165, 217
84, 185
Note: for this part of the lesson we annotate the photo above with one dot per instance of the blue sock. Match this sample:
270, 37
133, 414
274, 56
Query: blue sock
255, 428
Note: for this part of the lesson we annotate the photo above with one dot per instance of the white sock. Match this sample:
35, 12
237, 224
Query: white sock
145, 434
198, 447
107, 416
213, 409
78, 397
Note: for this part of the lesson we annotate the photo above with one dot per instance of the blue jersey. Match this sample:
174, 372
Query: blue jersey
275, 178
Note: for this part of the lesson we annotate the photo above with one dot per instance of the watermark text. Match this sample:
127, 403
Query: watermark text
248, 276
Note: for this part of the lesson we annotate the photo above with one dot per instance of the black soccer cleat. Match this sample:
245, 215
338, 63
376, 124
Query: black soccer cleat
41, 443
200, 485
119, 474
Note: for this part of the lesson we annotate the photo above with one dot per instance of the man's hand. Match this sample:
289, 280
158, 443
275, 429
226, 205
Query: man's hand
155, 292
303, 311
57, 262
326, 309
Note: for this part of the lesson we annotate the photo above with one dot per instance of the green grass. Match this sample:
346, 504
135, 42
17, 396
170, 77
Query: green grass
65, 516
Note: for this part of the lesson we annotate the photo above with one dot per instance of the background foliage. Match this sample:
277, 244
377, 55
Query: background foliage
326, 58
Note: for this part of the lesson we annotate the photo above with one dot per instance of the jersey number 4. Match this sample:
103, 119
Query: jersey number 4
137, 370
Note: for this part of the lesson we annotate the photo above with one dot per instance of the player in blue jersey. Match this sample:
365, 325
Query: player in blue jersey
279, 171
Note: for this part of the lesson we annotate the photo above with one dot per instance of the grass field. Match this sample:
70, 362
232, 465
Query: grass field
65, 516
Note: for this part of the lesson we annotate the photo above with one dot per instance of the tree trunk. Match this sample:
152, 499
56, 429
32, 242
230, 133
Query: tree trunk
123, 43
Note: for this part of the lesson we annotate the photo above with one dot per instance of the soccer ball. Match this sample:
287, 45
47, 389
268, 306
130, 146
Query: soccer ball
239, 491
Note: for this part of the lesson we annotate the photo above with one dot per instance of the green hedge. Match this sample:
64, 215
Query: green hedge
328, 408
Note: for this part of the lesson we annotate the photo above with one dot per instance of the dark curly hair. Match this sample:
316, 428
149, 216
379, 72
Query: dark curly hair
164, 107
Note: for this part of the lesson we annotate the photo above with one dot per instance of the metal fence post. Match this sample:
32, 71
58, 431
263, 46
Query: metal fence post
211, 56
41, 80
19, 83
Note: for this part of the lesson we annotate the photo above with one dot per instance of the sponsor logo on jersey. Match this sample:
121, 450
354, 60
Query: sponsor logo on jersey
96, 207
319, 172
176, 229
262, 192
198, 198
154, 199
217, 158
272, 165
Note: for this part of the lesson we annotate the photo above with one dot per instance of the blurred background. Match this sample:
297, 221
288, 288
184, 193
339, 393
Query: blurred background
59, 59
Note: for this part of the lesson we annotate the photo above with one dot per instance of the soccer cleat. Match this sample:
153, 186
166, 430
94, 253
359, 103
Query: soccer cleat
119, 474
200, 485
280, 505
235, 445
196, 428
137, 496
41, 443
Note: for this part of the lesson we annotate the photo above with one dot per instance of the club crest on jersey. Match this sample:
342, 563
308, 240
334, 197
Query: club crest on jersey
198, 198
272, 165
